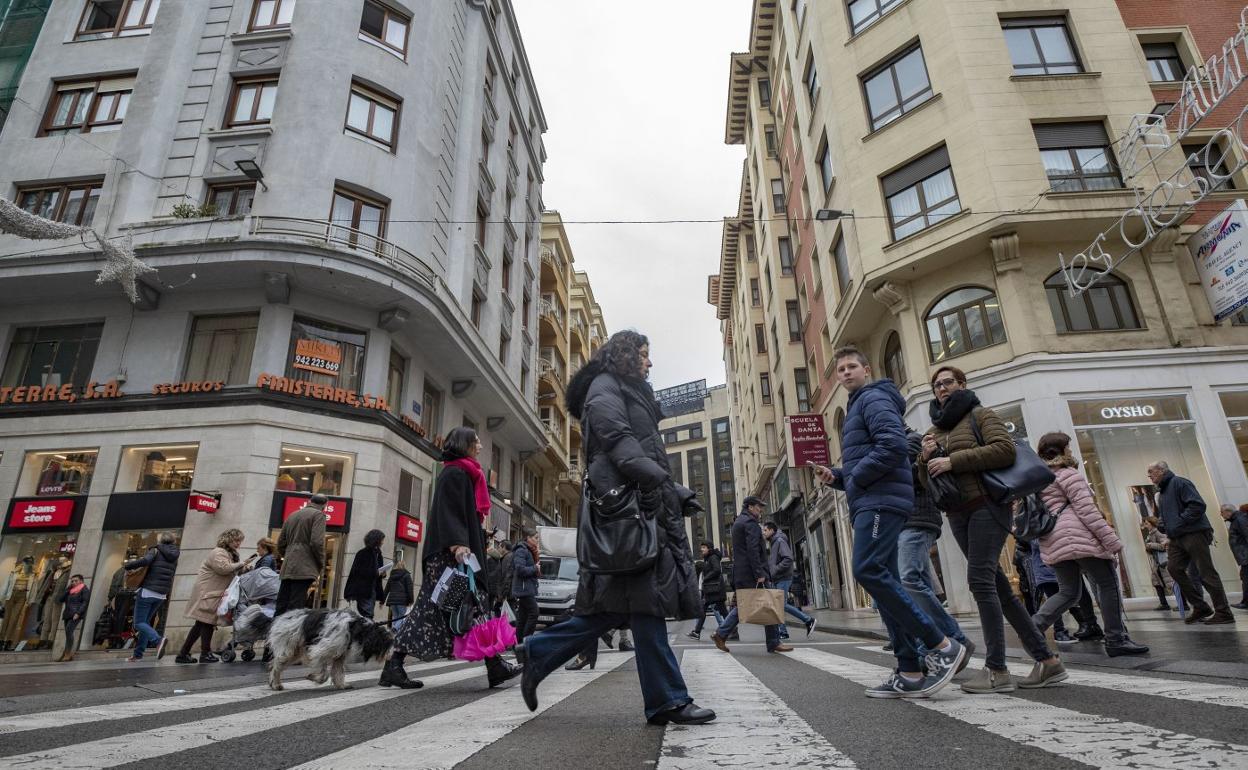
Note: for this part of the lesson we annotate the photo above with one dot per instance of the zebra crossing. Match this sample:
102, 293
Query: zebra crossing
773, 711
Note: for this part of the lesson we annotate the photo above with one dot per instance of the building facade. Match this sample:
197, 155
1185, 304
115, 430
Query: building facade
310, 327
928, 162
697, 431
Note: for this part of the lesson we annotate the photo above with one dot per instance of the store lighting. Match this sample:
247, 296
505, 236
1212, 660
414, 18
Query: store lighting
62, 452
307, 459
173, 459
60, 457
163, 446
307, 465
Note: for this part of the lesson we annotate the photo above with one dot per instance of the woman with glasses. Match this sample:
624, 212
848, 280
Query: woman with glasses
980, 526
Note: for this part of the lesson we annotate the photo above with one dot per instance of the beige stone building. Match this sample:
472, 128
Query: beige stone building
954, 149
697, 432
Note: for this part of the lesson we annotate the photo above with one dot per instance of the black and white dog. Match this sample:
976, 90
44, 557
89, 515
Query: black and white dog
323, 639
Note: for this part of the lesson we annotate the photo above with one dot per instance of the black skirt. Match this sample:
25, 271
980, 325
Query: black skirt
425, 634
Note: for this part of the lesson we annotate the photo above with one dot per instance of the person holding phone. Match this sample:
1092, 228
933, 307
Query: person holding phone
215, 574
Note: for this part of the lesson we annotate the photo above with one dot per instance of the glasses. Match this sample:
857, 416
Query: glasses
944, 384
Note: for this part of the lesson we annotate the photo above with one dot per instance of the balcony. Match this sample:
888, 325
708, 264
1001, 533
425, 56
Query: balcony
550, 365
348, 239
550, 313
487, 180
554, 425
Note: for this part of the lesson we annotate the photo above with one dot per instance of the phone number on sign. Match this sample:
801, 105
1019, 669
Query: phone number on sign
318, 363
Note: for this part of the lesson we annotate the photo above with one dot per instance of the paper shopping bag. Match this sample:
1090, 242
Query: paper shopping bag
760, 606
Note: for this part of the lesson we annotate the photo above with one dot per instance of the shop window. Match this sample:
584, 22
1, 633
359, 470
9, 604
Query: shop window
1106, 306
57, 472
313, 470
326, 354
157, 468
385, 28
1235, 406
231, 200
395, 376
1012, 416
1041, 46
117, 548
52, 355
36, 570
921, 194
221, 349
894, 361
964, 320
1077, 156
116, 18
71, 204
85, 106
271, 14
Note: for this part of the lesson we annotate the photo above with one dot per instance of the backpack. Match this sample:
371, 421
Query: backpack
1032, 518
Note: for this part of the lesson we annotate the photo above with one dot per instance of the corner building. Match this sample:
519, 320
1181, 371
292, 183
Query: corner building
928, 161
342, 201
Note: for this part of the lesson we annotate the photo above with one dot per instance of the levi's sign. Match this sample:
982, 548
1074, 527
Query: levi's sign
54, 512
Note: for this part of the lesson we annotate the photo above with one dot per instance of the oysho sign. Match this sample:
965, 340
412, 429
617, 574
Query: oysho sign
1127, 412
56, 513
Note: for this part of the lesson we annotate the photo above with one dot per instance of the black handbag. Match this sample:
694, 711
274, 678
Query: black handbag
943, 489
1026, 476
615, 535
459, 601
1033, 520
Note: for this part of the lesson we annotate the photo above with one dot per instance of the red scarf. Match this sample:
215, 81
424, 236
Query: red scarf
480, 490
78, 588
537, 560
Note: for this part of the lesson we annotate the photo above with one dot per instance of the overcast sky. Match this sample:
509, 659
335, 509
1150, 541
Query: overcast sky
635, 95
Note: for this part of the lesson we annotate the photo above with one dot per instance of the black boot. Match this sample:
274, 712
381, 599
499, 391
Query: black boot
580, 662
1090, 632
393, 675
1125, 647
500, 671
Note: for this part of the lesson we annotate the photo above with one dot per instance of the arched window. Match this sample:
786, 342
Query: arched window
1104, 307
963, 320
894, 363
838, 424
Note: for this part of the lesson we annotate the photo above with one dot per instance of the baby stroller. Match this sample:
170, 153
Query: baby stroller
257, 587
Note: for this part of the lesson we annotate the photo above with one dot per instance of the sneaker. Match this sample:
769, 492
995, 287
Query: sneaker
970, 650
897, 686
810, 627
694, 635
1064, 637
987, 681
941, 666
1043, 675
160, 648
208, 657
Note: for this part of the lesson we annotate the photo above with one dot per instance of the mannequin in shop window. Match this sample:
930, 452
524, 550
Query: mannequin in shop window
286, 482
52, 600
16, 592
155, 468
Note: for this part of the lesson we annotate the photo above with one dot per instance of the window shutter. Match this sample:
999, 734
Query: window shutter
1161, 50
1060, 136
915, 171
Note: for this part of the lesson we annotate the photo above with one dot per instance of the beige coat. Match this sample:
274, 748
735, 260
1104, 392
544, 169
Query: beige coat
214, 577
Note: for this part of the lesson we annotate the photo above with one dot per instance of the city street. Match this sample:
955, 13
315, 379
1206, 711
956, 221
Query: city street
803, 709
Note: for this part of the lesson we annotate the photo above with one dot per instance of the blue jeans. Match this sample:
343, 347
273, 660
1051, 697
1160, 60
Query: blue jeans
144, 609
914, 563
365, 607
796, 612
729, 625
398, 611
875, 569
662, 686
718, 608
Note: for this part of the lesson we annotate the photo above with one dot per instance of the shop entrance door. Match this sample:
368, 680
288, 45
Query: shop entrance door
326, 589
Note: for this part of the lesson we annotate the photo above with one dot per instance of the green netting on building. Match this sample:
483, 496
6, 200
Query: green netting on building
20, 22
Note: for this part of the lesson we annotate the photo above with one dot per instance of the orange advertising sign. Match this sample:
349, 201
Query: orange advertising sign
318, 356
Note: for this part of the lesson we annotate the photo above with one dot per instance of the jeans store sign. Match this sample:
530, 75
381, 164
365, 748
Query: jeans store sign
1222, 260
42, 514
409, 529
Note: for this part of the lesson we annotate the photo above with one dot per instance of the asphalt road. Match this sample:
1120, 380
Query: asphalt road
803, 709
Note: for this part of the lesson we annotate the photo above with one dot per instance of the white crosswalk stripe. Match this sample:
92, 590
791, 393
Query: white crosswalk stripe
442, 740
753, 726
133, 747
129, 709
1176, 689
1095, 740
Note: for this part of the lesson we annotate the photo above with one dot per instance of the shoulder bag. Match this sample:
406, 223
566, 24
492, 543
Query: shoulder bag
615, 536
1026, 476
134, 577
943, 489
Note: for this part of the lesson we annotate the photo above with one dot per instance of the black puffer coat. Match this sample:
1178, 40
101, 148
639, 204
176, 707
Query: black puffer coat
620, 422
162, 564
713, 578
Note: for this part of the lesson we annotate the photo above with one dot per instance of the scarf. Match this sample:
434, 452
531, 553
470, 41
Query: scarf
957, 406
78, 588
537, 561
480, 491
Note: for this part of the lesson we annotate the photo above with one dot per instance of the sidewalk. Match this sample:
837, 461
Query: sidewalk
1217, 651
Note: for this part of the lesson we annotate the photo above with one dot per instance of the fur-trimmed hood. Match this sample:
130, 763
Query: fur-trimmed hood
1062, 461
578, 387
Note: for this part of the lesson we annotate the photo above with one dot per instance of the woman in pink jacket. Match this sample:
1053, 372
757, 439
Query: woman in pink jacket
1081, 541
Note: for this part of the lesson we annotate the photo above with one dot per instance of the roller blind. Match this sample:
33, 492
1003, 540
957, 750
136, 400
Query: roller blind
1060, 136
915, 171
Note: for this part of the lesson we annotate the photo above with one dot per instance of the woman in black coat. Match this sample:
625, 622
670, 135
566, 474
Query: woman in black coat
364, 585
620, 422
713, 593
76, 598
399, 591
461, 501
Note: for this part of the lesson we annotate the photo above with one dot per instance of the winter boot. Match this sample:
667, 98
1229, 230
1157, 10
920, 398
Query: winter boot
1089, 632
500, 671
1125, 647
393, 675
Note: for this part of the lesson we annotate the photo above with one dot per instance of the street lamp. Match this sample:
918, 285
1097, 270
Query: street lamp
829, 215
251, 170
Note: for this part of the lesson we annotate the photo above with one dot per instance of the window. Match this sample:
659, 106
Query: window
269, 14
396, 373
72, 204
841, 259
483, 224
232, 199
864, 13
921, 193
801, 382
816, 269
157, 468
58, 472
409, 494
384, 27
767, 279
825, 165
764, 92
326, 354
1159, 112
894, 362
785, 247
896, 87
811, 78
751, 254
1077, 156
777, 195
769, 133
775, 336
487, 85
1106, 306
504, 345
506, 273
760, 338
221, 349
252, 102
696, 432
1041, 46
372, 115
795, 320
360, 214
764, 387
964, 320
1214, 174
116, 18
1240, 318
312, 471
1164, 63
88, 105
755, 297
52, 355
431, 409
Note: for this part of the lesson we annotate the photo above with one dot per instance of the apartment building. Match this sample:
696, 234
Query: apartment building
928, 161
697, 431
341, 200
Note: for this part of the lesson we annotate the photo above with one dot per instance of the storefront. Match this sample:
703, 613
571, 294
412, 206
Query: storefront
1235, 407
337, 524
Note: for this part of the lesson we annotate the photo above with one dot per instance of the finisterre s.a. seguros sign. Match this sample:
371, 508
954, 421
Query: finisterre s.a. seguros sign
1220, 250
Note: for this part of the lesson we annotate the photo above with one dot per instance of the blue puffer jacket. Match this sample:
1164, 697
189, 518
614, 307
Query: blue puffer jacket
876, 475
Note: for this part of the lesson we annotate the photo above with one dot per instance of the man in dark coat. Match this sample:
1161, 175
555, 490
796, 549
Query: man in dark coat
1237, 529
711, 577
749, 570
302, 548
1182, 511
